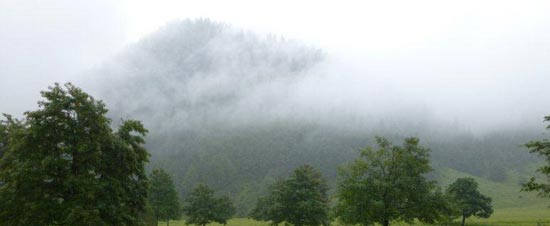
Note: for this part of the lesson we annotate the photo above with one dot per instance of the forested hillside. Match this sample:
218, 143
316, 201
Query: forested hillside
220, 106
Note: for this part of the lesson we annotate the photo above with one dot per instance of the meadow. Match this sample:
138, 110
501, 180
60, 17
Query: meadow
532, 216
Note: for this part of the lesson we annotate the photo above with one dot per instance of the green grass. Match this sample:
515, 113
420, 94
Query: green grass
512, 207
525, 216
232, 222
501, 217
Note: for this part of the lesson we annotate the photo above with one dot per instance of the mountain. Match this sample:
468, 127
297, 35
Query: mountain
228, 107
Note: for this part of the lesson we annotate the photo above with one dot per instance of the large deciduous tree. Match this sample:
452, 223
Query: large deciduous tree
468, 200
64, 165
163, 197
201, 207
541, 147
299, 200
388, 184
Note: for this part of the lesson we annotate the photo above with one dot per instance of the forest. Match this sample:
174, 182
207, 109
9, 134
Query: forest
205, 123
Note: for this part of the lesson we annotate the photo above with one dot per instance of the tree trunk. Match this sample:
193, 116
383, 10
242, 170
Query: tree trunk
463, 220
386, 223
168, 222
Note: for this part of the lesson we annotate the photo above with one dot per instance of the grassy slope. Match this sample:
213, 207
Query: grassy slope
504, 194
512, 207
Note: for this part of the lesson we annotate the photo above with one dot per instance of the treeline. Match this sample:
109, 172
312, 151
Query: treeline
64, 165
243, 162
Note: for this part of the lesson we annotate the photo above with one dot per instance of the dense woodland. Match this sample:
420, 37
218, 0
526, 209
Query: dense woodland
221, 128
215, 99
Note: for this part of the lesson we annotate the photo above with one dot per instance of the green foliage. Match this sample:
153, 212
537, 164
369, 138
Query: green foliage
389, 184
298, 200
245, 160
3, 137
206, 136
163, 197
149, 216
468, 200
224, 210
541, 147
64, 165
7, 127
201, 207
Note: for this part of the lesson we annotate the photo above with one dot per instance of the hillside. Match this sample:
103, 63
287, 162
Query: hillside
222, 107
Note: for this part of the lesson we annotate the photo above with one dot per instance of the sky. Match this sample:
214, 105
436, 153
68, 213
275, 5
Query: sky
483, 63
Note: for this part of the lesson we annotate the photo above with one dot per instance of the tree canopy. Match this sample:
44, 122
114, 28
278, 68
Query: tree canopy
299, 200
163, 197
468, 200
388, 184
201, 207
64, 165
541, 147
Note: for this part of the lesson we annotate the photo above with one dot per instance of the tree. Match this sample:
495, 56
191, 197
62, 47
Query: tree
298, 200
7, 127
201, 207
541, 147
269, 208
3, 137
63, 165
224, 209
163, 197
469, 200
389, 184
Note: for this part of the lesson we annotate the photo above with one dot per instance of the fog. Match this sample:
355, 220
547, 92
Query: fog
480, 66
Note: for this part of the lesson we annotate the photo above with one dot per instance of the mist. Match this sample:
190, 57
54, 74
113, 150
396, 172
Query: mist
236, 94
483, 68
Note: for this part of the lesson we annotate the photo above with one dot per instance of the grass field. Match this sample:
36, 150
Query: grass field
532, 216
505, 194
536, 216
501, 217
